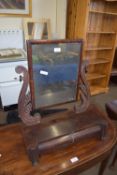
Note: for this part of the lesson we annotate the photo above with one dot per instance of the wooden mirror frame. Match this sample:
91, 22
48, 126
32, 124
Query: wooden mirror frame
32, 82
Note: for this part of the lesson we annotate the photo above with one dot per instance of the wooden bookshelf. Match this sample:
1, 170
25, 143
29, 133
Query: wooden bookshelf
114, 67
96, 22
100, 32
98, 48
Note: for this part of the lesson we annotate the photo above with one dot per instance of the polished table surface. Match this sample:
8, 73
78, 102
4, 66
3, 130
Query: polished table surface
14, 159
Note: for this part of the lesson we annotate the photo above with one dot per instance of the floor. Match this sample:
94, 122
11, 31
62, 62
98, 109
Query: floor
100, 100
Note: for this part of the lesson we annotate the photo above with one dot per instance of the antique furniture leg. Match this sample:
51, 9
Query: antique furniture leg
114, 160
33, 156
104, 165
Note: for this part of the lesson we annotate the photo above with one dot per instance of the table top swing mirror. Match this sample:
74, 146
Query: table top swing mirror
54, 72
56, 76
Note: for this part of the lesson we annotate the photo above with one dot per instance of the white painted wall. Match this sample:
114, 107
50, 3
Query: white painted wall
61, 18
53, 9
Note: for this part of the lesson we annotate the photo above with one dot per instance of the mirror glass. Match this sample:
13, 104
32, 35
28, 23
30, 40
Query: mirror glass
55, 72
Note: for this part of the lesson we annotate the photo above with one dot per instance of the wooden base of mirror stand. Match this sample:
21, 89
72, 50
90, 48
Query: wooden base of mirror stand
61, 130
42, 135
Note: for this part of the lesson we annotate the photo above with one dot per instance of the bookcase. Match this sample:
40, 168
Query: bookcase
96, 22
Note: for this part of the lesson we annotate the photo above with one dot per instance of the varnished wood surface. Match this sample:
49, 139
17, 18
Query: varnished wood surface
14, 159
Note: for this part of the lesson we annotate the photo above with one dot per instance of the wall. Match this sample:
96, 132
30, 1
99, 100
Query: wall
53, 9
61, 18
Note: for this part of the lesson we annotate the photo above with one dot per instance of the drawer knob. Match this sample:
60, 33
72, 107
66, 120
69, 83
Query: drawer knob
20, 78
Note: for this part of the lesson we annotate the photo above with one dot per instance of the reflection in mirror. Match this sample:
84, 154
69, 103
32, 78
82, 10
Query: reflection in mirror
55, 72
37, 28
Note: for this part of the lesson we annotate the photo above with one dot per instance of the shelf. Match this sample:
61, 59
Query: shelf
98, 61
100, 32
93, 76
111, 0
97, 89
98, 48
101, 12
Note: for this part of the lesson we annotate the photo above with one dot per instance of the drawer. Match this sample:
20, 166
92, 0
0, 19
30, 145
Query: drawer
7, 71
9, 92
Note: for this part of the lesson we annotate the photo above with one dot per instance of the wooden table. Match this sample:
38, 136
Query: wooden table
14, 159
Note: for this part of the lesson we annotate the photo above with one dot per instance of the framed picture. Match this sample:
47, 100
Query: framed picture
16, 8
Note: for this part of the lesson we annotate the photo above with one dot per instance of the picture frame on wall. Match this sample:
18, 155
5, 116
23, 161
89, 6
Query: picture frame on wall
16, 8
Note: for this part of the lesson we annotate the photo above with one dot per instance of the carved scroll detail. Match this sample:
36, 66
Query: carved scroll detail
24, 101
84, 91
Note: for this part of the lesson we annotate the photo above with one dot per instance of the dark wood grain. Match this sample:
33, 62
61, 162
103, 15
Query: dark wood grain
63, 129
14, 159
